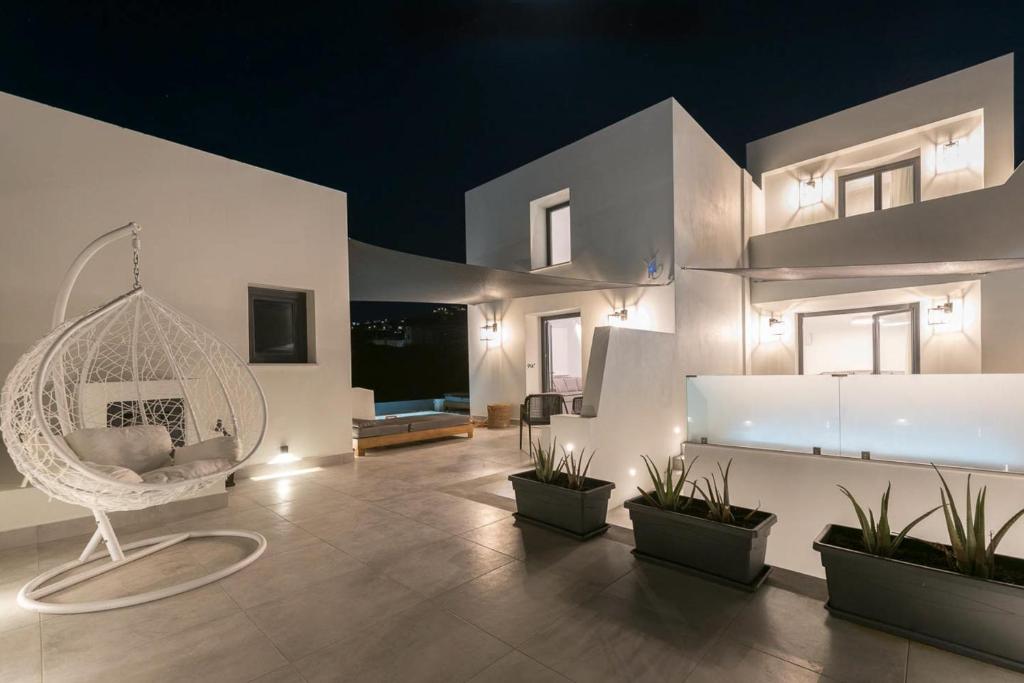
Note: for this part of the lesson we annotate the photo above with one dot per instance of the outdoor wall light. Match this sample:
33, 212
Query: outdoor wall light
283, 457
810, 191
489, 332
941, 314
620, 316
951, 156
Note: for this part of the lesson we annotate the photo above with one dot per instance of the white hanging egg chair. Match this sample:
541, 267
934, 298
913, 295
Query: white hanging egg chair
132, 361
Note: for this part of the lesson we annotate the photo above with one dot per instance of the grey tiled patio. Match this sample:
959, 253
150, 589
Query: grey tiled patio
406, 566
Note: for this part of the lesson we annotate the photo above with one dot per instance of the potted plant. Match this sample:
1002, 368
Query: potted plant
558, 494
961, 597
706, 535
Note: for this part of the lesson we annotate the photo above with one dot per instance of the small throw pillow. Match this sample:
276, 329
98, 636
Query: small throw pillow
193, 470
114, 472
220, 447
140, 448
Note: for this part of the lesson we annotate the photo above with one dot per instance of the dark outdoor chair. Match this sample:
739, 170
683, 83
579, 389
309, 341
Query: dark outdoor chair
577, 405
537, 409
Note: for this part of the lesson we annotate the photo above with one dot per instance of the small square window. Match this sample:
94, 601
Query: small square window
278, 326
559, 238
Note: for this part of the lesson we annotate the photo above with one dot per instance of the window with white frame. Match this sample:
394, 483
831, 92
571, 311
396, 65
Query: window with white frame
559, 239
882, 187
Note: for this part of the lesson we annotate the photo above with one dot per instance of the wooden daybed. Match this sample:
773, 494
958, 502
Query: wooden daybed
407, 429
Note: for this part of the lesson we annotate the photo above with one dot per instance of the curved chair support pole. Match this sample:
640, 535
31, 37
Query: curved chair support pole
60, 307
31, 594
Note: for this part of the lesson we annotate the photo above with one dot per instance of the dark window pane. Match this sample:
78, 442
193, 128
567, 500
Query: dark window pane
277, 326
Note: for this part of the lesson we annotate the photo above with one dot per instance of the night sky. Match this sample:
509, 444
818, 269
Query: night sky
406, 106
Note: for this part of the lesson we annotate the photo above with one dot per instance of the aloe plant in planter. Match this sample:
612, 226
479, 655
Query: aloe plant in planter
961, 597
706, 535
558, 494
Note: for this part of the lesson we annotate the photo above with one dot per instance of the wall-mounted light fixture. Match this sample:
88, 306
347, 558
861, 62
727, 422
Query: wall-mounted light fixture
951, 156
810, 191
941, 314
283, 457
617, 317
489, 332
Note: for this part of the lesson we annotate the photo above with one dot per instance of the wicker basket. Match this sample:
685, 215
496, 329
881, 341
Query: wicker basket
499, 415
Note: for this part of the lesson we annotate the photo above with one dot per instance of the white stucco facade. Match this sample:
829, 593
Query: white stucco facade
697, 209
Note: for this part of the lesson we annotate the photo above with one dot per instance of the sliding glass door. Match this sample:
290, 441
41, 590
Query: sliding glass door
862, 341
562, 355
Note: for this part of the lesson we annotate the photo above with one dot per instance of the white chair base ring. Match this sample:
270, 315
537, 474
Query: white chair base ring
31, 594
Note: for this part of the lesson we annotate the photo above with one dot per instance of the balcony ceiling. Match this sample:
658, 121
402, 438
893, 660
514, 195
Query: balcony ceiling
379, 274
976, 267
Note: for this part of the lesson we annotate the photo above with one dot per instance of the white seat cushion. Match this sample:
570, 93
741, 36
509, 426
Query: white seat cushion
228, 447
115, 472
192, 470
140, 448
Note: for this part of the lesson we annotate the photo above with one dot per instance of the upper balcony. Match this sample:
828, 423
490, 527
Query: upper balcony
881, 168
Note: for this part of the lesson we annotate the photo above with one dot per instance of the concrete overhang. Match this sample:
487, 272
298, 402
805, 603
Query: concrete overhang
379, 274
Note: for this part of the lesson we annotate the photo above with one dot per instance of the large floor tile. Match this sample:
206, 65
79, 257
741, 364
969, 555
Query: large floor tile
423, 644
449, 513
440, 566
214, 552
82, 637
17, 566
276, 491
300, 509
226, 649
376, 488
798, 629
625, 633
286, 674
514, 602
274, 577
930, 665
165, 568
515, 667
385, 541
522, 541
331, 610
731, 662
19, 655
330, 525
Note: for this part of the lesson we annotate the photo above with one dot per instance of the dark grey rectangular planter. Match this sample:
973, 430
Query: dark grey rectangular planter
580, 514
979, 618
732, 553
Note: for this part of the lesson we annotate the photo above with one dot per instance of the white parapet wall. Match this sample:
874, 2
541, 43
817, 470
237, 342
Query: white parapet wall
801, 490
632, 405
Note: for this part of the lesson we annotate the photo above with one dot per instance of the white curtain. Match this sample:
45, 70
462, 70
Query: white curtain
898, 187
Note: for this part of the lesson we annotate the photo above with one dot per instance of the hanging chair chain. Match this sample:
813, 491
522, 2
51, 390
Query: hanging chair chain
136, 248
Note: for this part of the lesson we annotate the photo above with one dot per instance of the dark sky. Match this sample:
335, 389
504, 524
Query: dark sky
405, 106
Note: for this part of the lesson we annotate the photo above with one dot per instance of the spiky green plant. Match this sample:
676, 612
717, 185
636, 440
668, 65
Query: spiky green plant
717, 498
878, 538
576, 468
667, 495
545, 462
968, 553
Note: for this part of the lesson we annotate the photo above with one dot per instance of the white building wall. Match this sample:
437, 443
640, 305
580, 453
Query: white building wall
619, 183
639, 409
709, 229
951, 349
509, 368
987, 86
211, 227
